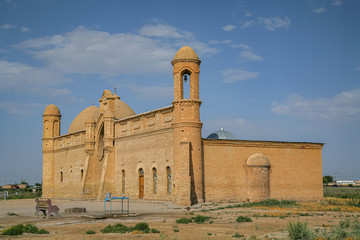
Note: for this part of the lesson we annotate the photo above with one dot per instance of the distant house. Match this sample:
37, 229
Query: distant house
14, 186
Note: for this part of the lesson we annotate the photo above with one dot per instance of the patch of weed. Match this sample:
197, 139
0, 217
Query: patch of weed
90, 232
238, 235
243, 219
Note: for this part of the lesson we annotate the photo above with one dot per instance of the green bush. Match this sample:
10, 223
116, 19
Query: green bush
153, 230
15, 230
183, 220
120, 228
243, 219
90, 232
299, 231
30, 229
142, 226
238, 235
117, 228
20, 229
200, 219
42, 231
176, 230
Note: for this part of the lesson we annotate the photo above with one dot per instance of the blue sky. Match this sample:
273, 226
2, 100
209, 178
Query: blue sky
271, 70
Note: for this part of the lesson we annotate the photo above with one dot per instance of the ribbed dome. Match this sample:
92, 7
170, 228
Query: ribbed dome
52, 110
186, 53
222, 134
122, 110
258, 159
78, 124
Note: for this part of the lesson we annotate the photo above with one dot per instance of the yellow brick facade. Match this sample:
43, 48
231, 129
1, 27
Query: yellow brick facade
160, 155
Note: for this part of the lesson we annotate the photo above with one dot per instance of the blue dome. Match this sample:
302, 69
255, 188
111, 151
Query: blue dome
222, 134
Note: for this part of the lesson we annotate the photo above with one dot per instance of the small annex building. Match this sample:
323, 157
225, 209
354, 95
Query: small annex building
161, 155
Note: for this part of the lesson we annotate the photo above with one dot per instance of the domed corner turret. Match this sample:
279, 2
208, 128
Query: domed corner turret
185, 53
51, 121
52, 109
258, 160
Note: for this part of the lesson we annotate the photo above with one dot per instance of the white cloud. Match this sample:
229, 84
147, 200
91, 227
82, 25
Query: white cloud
270, 24
233, 45
247, 24
4, 50
21, 108
25, 29
337, 2
250, 56
357, 69
319, 10
219, 42
234, 75
84, 51
343, 105
24, 78
228, 27
164, 31
7, 26
241, 45
274, 23
248, 14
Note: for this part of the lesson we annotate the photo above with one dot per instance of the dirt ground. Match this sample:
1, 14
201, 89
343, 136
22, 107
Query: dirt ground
268, 223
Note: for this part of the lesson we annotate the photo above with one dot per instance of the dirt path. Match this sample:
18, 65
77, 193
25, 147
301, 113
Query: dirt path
267, 223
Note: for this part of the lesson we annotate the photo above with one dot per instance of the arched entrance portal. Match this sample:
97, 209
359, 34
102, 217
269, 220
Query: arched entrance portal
141, 183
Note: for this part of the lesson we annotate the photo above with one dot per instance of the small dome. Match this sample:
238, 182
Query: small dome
186, 53
122, 110
222, 134
52, 110
78, 123
258, 159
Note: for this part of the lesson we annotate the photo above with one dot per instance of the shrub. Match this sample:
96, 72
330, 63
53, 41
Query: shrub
299, 231
142, 226
20, 229
120, 228
90, 232
243, 219
176, 230
153, 230
117, 228
200, 219
238, 235
42, 231
30, 229
183, 220
15, 230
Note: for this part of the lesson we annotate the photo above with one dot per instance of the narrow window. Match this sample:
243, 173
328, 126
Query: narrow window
154, 172
123, 181
61, 177
186, 85
168, 174
141, 183
81, 174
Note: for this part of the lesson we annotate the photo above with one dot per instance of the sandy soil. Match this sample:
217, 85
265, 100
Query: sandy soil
267, 223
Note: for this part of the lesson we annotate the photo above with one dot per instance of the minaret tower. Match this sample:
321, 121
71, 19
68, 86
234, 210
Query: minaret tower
51, 123
188, 154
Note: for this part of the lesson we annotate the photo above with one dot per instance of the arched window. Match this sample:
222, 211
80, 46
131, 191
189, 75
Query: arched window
123, 181
61, 176
186, 84
81, 174
154, 172
168, 176
141, 183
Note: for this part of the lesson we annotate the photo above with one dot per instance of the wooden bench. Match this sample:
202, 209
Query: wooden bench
41, 205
